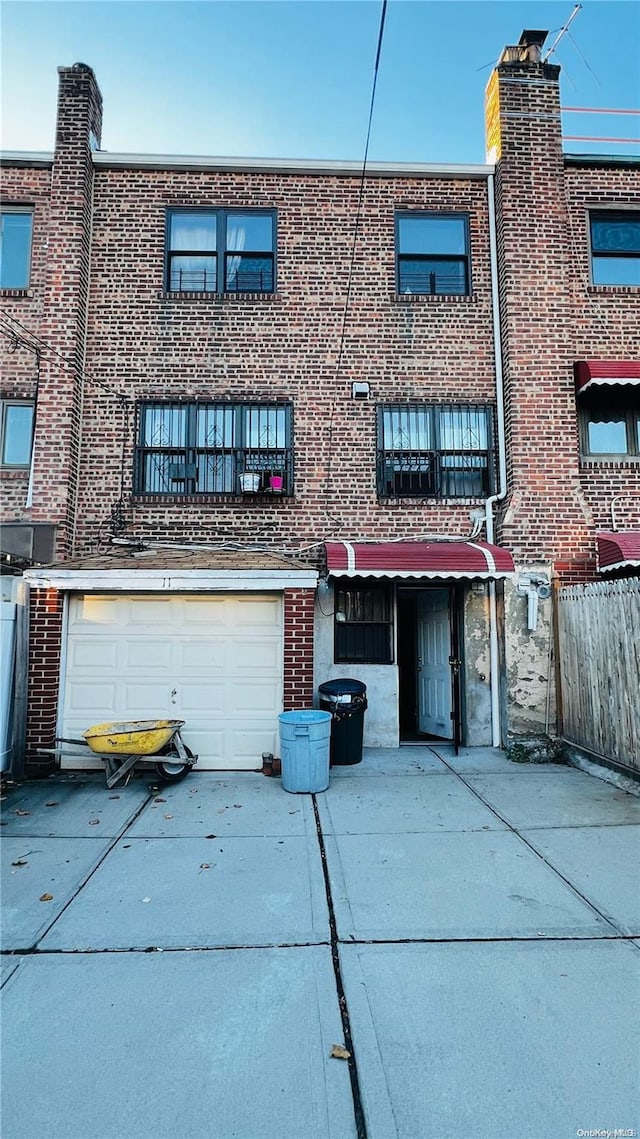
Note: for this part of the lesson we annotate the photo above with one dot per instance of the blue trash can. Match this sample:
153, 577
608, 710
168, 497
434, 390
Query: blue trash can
305, 737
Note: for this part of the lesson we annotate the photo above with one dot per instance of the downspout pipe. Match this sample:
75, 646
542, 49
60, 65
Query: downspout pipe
494, 664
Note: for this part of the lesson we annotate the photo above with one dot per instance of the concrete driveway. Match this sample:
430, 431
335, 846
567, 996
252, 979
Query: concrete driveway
179, 963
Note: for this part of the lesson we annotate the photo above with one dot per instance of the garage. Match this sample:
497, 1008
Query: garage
214, 660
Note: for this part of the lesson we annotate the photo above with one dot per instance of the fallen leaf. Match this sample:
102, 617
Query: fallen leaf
339, 1052
46, 897
94, 822
52, 804
20, 862
19, 811
205, 865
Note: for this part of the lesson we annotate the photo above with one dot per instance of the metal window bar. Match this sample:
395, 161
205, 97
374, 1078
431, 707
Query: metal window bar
248, 272
435, 451
214, 449
192, 281
433, 276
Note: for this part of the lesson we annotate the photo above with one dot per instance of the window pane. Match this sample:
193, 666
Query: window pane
616, 270
431, 235
194, 231
249, 274
463, 429
192, 274
164, 427
616, 233
215, 427
216, 474
607, 437
16, 444
407, 429
369, 643
265, 427
427, 275
253, 232
15, 250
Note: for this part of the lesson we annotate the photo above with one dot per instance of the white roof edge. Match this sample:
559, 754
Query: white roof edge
170, 581
134, 161
104, 158
445, 575
27, 157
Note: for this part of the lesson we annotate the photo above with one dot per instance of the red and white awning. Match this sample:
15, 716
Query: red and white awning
591, 373
457, 560
619, 549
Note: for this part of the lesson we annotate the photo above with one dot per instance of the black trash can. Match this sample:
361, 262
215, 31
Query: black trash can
347, 701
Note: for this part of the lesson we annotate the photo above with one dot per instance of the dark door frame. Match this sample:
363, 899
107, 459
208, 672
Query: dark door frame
455, 590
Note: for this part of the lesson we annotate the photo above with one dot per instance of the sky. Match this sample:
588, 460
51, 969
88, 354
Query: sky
266, 78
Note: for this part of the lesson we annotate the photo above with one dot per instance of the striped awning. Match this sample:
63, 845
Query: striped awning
457, 560
591, 373
618, 549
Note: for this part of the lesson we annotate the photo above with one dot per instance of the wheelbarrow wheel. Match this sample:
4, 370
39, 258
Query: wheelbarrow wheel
172, 768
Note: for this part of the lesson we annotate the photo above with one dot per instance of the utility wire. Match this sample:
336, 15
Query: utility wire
356, 232
38, 344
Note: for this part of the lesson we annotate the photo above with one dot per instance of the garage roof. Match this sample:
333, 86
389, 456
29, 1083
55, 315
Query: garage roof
161, 569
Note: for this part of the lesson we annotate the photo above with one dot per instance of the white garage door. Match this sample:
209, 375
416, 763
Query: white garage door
213, 660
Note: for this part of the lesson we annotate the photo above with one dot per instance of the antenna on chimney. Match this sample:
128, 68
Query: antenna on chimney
562, 32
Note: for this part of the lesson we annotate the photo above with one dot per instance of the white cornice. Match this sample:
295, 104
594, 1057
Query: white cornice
105, 159
170, 581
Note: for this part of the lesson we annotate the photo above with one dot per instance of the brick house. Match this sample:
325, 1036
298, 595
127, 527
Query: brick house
290, 424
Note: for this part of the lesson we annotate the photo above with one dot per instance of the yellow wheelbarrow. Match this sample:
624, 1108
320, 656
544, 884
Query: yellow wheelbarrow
126, 745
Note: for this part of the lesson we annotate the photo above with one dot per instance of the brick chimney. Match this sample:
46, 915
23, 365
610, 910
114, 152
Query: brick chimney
524, 138
544, 519
56, 444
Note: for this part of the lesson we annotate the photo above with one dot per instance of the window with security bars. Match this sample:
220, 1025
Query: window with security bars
362, 623
214, 448
432, 253
220, 251
435, 451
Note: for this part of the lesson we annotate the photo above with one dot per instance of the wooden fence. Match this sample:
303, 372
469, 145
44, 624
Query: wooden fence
599, 666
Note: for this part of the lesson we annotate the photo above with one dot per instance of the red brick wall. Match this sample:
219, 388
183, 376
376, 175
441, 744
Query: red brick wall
607, 326
552, 317
18, 367
153, 346
298, 648
46, 607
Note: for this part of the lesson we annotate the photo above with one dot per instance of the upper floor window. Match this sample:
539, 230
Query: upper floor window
615, 247
432, 253
15, 247
610, 422
214, 448
220, 251
444, 451
17, 433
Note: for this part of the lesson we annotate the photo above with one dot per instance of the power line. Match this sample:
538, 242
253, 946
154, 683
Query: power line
40, 346
356, 231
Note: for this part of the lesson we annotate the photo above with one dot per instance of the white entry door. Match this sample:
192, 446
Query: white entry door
434, 670
213, 660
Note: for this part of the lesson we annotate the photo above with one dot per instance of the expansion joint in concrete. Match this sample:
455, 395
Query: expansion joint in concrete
361, 1126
